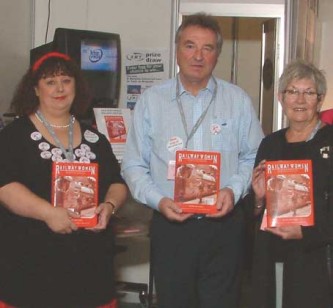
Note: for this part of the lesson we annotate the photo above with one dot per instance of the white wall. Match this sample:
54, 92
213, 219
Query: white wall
140, 23
15, 37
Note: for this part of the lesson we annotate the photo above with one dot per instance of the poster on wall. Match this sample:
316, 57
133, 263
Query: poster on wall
144, 68
114, 123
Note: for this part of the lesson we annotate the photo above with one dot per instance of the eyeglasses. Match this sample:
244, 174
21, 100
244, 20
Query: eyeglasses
309, 96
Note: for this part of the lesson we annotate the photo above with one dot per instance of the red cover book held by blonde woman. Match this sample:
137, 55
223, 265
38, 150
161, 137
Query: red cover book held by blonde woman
197, 181
75, 187
289, 193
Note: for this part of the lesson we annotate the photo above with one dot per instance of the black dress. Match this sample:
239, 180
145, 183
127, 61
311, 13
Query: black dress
305, 275
39, 268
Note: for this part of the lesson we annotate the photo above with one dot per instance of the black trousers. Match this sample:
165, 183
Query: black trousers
197, 263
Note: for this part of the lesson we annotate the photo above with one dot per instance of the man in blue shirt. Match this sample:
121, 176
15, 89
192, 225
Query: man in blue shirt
196, 259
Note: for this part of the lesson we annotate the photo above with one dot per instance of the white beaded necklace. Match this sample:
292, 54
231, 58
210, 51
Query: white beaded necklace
55, 125
67, 152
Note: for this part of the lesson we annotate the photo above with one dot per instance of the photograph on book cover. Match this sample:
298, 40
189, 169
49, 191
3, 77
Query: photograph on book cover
197, 176
196, 184
289, 193
75, 187
77, 194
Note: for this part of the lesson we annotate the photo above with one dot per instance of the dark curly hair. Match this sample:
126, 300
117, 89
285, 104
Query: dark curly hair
25, 100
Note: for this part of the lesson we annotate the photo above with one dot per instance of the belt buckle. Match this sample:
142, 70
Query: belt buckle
198, 216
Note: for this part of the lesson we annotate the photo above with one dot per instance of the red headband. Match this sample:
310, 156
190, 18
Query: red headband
52, 54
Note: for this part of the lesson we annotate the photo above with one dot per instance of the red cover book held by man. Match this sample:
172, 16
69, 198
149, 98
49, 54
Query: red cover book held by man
75, 187
197, 181
289, 193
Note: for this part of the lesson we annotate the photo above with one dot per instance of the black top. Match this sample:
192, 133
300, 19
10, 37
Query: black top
39, 268
305, 273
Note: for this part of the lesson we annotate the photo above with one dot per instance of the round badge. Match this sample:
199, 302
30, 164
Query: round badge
44, 146
36, 136
90, 155
56, 152
215, 128
79, 152
90, 136
84, 160
175, 143
57, 158
46, 154
85, 147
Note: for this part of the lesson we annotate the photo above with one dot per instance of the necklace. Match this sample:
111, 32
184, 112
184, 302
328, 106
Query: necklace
72, 119
68, 153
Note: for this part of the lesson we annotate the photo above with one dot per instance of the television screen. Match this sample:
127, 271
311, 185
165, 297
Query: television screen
99, 55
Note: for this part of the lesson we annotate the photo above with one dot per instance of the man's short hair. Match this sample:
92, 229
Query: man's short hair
202, 20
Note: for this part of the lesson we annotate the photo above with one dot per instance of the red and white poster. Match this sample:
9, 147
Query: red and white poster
114, 124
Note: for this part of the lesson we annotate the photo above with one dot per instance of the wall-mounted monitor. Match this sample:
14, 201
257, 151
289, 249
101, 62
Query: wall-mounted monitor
99, 57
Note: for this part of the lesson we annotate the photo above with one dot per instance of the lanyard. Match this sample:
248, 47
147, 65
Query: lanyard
70, 153
314, 131
200, 119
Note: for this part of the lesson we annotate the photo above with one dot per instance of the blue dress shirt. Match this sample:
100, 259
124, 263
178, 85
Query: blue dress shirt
157, 122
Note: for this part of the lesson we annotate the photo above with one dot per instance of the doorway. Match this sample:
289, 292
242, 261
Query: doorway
248, 60
242, 58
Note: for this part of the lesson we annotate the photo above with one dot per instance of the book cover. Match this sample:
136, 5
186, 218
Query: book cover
289, 193
75, 187
197, 181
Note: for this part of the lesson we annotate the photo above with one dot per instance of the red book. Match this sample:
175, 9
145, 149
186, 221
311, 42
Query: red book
197, 181
75, 187
289, 193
